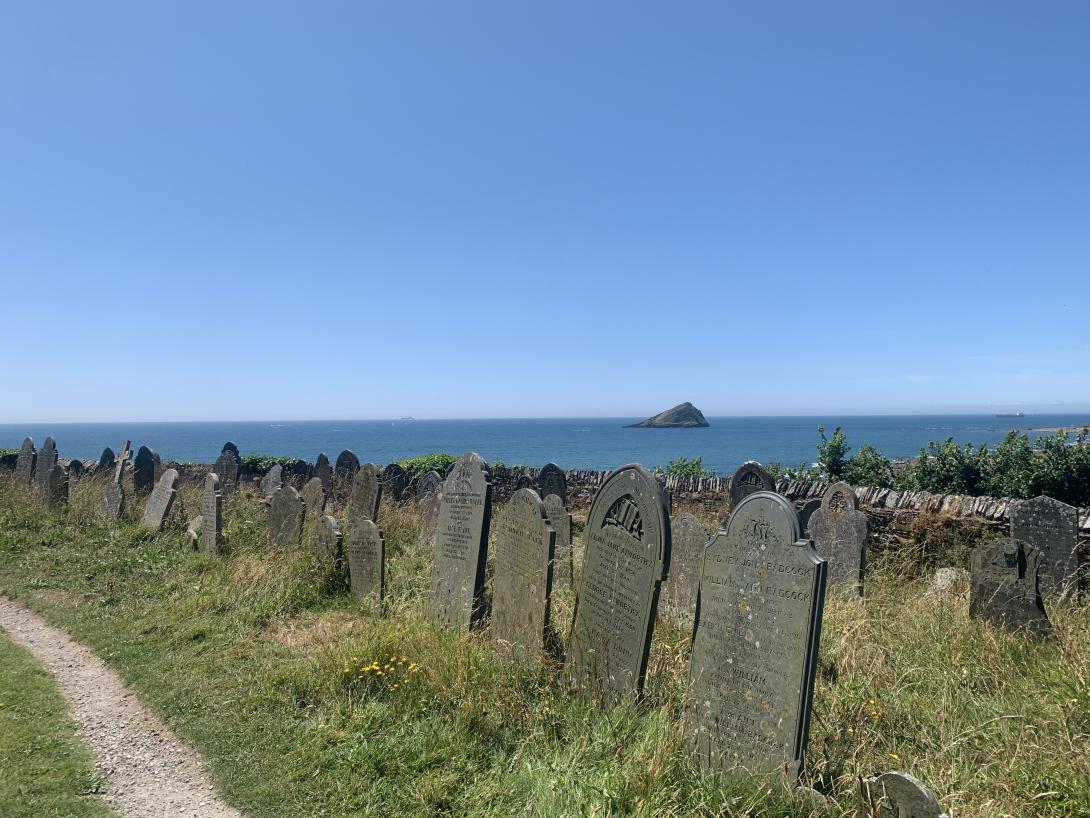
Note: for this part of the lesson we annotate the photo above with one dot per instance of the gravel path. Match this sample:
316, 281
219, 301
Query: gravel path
149, 772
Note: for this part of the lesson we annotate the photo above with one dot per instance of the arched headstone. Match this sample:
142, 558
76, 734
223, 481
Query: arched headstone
324, 472
1003, 587
522, 582
365, 551
839, 531
395, 479
326, 542
47, 459
285, 518
143, 470
560, 520
750, 478
75, 469
366, 494
347, 465
106, 461
112, 503
212, 515
24, 464
688, 539
272, 480
427, 485
160, 501
54, 487
1052, 528
898, 795
227, 468
552, 480
805, 513
314, 500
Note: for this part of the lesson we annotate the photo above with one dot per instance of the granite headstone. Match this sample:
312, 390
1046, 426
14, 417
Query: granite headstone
113, 502
272, 480
160, 501
522, 583
1004, 587
1052, 528
750, 478
25, 462
395, 479
560, 520
839, 531
227, 468
314, 500
143, 470
285, 518
54, 487
687, 541
324, 472
47, 459
366, 494
365, 550
212, 515
897, 795
552, 480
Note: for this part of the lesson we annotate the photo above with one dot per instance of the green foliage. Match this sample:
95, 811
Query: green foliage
799, 472
833, 453
868, 467
436, 461
683, 467
261, 463
8, 458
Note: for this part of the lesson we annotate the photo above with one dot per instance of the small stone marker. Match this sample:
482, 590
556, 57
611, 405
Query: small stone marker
55, 487
24, 464
47, 459
212, 515
122, 459
560, 520
839, 531
106, 461
755, 642
1052, 528
805, 513
347, 465
552, 480
327, 541
314, 500
1003, 587
427, 485
75, 469
285, 518
395, 479
750, 478
112, 503
227, 468
461, 544
272, 480
897, 795
627, 553
160, 501
366, 553
522, 583
193, 531
363, 500
324, 472
687, 541
143, 470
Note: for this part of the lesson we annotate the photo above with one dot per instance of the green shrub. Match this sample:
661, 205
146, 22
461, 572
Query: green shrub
8, 457
681, 467
261, 463
436, 461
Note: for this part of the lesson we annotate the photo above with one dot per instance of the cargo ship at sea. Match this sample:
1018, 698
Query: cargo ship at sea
1012, 415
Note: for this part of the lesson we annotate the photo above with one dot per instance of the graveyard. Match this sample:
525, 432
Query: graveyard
362, 640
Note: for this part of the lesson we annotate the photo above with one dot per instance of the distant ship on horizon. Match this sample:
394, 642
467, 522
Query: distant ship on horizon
1011, 415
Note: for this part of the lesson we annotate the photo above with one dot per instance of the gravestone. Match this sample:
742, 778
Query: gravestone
143, 470
212, 515
839, 531
750, 478
285, 518
395, 479
24, 464
106, 461
755, 642
47, 459
429, 521
560, 520
805, 513
113, 502
54, 487
326, 543
427, 485
522, 582
626, 557
297, 471
687, 541
160, 501
227, 468
75, 469
897, 795
347, 465
366, 494
524, 481
1004, 587
365, 549
272, 480
461, 544
324, 472
314, 499
122, 459
1052, 528
552, 480
194, 531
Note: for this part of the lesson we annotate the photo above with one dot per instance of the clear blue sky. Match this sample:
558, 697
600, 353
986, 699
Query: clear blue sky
357, 210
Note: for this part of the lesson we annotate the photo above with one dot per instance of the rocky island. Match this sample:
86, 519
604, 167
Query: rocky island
682, 416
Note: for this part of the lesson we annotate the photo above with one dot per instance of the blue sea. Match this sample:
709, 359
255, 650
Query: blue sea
574, 443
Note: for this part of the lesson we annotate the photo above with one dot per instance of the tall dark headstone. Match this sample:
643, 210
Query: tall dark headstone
560, 520
897, 795
839, 531
75, 469
324, 472
522, 583
314, 500
366, 494
143, 470
366, 553
285, 518
160, 500
227, 468
212, 515
687, 541
231, 447
805, 513
47, 459
552, 480
755, 642
272, 480
346, 466
1052, 528
627, 555
106, 462
461, 544
54, 487
24, 464
750, 478
1003, 587
395, 479
427, 485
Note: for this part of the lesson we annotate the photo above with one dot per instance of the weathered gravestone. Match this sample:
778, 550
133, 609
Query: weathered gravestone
122, 459
346, 466
552, 480
897, 795
106, 461
429, 520
314, 500
805, 513
687, 541
366, 494
227, 468
47, 459
24, 464
1052, 528
1003, 587
113, 502
522, 582
160, 501
297, 471
750, 478
324, 472
143, 470
285, 518
524, 481
366, 554
560, 520
839, 531
54, 487
427, 485
211, 515
395, 479
326, 543
755, 642
626, 556
75, 469
272, 480
461, 544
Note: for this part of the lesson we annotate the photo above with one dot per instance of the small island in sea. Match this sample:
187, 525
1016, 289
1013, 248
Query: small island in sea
682, 416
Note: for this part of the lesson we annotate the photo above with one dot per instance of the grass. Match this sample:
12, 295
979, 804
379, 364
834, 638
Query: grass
45, 771
246, 656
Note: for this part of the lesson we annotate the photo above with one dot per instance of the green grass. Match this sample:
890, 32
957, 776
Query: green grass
45, 771
243, 655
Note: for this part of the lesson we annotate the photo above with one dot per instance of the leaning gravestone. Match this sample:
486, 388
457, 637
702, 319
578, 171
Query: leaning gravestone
805, 513
461, 544
395, 479
560, 520
522, 582
143, 470
627, 554
112, 503
363, 500
839, 531
327, 542
47, 459
106, 461
227, 468
366, 554
54, 487
212, 515
324, 472
687, 541
24, 464
122, 459
552, 480
1052, 528
750, 478
160, 501
1003, 587
314, 500
755, 642
427, 485
272, 480
897, 795
285, 518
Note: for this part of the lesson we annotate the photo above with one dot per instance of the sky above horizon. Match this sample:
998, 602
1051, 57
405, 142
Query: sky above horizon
364, 210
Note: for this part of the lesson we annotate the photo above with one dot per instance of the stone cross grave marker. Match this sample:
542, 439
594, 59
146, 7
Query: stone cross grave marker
1052, 528
366, 553
324, 472
839, 531
47, 459
461, 544
560, 520
1004, 589
227, 468
522, 583
113, 502
143, 470
160, 501
272, 480
24, 464
755, 642
55, 487
552, 480
212, 515
366, 494
750, 478
626, 556
122, 459
285, 518
395, 479
897, 795
688, 539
